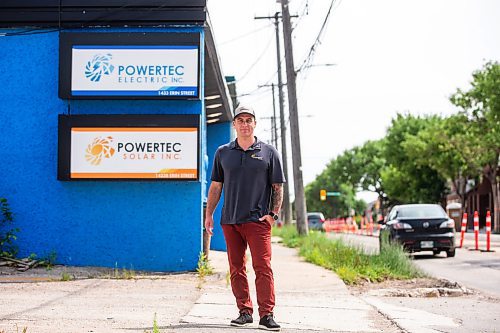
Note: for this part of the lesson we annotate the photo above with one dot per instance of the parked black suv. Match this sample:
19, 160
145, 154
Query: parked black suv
420, 227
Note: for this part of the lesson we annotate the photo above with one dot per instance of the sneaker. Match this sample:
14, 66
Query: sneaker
243, 320
267, 323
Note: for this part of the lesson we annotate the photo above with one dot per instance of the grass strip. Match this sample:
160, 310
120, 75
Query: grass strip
350, 263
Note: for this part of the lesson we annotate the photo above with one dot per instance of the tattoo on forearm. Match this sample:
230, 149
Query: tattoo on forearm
214, 193
277, 197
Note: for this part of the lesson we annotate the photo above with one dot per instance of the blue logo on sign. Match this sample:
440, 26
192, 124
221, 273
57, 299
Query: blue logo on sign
99, 65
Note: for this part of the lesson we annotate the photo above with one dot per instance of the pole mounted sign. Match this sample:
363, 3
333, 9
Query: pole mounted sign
323, 194
129, 65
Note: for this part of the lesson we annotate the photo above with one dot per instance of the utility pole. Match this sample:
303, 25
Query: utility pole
275, 126
300, 201
273, 136
286, 207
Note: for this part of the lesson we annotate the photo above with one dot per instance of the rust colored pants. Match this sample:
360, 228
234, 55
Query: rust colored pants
257, 235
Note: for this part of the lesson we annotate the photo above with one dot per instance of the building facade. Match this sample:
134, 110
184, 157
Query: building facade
76, 193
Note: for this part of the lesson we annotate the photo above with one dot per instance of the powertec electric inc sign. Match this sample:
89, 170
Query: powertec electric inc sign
134, 70
107, 147
129, 65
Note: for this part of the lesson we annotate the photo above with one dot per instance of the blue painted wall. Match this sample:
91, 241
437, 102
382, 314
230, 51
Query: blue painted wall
124, 224
218, 134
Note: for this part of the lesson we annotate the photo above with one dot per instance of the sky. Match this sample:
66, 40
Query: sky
384, 57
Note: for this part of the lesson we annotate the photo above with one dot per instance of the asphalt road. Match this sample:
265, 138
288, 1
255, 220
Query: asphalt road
473, 269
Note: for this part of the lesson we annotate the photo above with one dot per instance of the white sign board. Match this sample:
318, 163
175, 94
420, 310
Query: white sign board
130, 152
142, 70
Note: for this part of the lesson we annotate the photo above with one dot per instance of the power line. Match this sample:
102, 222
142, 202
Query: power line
303, 12
259, 97
308, 60
257, 60
245, 35
268, 81
254, 92
259, 87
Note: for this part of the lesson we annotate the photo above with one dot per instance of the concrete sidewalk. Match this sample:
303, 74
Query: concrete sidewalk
309, 298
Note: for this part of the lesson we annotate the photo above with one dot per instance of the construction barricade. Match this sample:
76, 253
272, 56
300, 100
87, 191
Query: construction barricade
476, 230
463, 229
488, 232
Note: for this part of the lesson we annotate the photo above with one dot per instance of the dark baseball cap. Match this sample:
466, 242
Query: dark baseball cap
243, 109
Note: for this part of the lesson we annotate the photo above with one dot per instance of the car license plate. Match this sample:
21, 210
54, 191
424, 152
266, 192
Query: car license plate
426, 244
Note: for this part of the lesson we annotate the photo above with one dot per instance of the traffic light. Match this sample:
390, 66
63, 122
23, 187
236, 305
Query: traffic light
322, 195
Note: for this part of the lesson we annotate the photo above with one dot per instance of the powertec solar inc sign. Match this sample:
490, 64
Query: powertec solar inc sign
133, 65
90, 148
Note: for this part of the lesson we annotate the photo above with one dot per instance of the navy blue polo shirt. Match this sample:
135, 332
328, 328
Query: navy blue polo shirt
247, 177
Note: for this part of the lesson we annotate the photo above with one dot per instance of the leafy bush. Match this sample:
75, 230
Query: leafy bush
7, 234
204, 268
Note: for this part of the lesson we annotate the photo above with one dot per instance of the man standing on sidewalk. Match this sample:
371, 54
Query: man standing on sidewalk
251, 174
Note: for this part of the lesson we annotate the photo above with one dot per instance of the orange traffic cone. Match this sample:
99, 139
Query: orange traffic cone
476, 230
488, 231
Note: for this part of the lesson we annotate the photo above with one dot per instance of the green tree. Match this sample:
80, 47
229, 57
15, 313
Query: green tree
347, 200
355, 169
345, 169
371, 162
447, 146
314, 204
330, 180
360, 206
405, 180
481, 104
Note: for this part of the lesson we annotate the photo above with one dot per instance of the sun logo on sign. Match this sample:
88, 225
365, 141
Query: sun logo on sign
99, 148
99, 65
